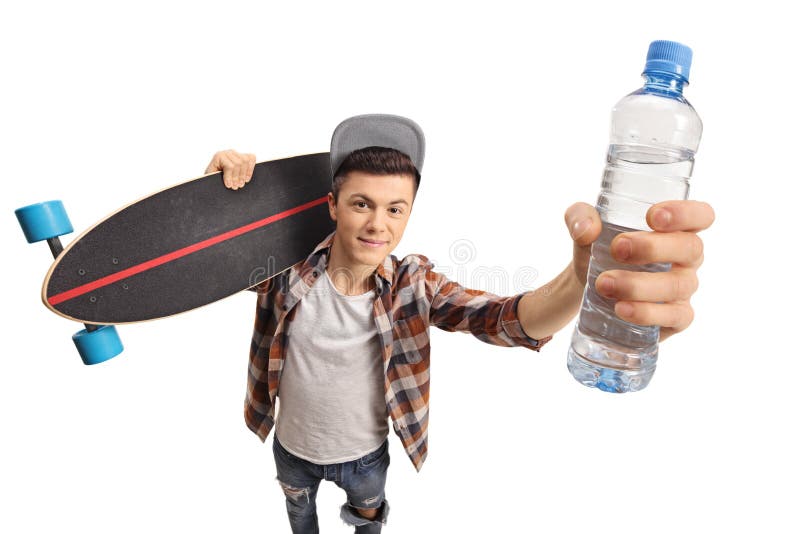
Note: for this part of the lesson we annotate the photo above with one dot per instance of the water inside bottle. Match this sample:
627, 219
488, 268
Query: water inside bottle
638, 176
602, 339
608, 352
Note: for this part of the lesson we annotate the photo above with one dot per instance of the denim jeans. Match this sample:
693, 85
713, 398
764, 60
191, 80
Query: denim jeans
363, 479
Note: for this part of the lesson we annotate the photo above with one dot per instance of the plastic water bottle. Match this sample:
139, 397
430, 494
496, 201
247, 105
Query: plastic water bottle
655, 133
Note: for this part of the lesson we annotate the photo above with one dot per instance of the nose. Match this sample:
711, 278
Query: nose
376, 222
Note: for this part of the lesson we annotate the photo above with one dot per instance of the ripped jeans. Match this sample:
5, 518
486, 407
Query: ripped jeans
362, 479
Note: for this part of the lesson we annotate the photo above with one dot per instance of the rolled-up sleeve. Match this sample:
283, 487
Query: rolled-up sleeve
491, 318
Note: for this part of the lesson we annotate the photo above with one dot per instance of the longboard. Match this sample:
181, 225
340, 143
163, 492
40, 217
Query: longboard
192, 244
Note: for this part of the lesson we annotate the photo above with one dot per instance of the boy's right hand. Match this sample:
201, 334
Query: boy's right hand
237, 169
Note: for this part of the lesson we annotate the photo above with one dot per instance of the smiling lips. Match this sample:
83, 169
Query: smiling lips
371, 243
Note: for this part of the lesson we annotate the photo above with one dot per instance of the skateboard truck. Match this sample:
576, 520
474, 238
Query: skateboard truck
47, 221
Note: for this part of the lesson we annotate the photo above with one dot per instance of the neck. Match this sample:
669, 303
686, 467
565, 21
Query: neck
349, 279
663, 84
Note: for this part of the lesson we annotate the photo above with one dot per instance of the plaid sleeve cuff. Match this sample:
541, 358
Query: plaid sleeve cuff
513, 328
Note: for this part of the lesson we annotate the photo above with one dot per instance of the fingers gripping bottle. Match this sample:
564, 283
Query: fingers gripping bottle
655, 133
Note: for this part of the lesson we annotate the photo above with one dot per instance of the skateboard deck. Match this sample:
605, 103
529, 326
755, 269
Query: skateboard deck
192, 244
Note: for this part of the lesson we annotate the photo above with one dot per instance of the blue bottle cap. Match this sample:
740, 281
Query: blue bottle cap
669, 57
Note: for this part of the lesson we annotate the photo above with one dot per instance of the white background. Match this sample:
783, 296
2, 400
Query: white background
103, 104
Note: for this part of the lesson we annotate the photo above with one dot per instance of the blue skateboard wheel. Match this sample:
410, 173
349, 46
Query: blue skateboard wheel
43, 220
98, 345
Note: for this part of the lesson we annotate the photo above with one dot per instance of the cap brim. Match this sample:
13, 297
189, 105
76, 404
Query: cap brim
389, 131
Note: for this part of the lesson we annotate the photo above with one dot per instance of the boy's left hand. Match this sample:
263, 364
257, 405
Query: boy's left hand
647, 298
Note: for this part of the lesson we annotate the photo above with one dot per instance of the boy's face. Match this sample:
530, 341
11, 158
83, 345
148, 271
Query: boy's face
371, 215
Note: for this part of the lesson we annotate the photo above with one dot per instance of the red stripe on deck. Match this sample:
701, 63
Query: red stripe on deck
185, 251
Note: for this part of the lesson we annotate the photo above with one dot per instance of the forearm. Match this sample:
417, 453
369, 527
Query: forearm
546, 310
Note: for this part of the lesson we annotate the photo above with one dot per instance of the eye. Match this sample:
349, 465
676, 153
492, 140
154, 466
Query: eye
360, 204
396, 211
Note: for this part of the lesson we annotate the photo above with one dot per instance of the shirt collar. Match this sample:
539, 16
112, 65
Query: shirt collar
318, 259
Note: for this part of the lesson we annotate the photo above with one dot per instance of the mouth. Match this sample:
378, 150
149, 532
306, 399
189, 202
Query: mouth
371, 243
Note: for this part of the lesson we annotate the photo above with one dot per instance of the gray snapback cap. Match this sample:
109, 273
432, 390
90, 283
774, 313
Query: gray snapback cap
389, 131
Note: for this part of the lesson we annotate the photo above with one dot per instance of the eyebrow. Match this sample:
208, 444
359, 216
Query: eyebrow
365, 197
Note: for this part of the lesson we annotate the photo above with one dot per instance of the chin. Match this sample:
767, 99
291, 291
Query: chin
375, 255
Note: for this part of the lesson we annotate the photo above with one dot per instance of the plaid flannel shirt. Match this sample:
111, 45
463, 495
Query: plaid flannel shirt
410, 297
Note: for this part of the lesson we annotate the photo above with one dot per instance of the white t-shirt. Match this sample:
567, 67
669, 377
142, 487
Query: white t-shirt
332, 407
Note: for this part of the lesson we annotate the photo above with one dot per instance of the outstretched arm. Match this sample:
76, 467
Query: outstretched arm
546, 310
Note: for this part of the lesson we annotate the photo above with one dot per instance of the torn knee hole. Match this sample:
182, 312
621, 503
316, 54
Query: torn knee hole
294, 493
353, 515
371, 500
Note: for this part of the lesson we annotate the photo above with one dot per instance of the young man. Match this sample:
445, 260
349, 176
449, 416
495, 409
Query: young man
342, 337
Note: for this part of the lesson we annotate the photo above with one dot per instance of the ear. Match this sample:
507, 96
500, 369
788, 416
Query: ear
331, 206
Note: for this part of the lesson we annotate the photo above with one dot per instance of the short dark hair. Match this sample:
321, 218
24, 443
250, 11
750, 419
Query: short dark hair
375, 160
